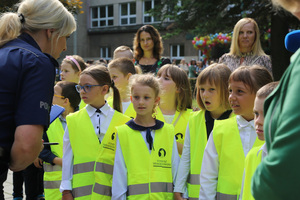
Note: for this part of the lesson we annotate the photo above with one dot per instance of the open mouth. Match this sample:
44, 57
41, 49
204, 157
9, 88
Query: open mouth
207, 103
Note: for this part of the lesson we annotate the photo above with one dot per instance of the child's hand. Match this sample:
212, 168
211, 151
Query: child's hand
177, 196
67, 195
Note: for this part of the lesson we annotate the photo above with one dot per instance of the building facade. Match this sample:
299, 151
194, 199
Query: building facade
107, 24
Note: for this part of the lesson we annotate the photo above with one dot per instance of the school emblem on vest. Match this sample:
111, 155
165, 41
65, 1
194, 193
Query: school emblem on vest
179, 136
162, 153
113, 136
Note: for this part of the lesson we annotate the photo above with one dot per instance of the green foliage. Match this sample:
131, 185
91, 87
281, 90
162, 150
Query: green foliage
210, 16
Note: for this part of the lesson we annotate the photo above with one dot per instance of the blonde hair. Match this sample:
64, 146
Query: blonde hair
256, 47
253, 77
218, 75
289, 5
80, 61
124, 49
146, 80
180, 78
266, 90
36, 15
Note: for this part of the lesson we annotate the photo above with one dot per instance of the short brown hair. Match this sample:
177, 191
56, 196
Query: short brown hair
124, 65
252, 76
218, 75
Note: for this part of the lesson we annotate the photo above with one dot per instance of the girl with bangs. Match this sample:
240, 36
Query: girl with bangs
176, 100
231, 139
212, 95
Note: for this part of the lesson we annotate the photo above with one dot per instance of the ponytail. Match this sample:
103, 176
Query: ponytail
116, 98
10, 27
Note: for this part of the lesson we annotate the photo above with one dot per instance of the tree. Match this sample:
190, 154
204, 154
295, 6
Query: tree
73, 6
214, 16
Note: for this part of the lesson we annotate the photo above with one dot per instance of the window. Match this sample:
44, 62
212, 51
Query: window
177, 51
102, 16
148, 5
128, 13
105, 53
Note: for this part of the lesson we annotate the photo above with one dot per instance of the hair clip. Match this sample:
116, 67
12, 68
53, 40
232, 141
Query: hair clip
22, 18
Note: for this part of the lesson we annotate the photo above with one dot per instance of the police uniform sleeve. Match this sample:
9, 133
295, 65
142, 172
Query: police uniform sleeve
35, 92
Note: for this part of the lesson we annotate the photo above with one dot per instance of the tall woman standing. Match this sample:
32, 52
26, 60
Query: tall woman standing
245, 47
148, 48
30, 42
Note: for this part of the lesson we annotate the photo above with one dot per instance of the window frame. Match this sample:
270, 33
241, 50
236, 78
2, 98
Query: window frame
128, 16
99, 19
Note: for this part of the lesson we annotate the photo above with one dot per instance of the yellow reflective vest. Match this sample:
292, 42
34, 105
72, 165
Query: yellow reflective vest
229, 147
86, 148
82, 104
198, 140
149, 176
52, 173
253, 159
179, 122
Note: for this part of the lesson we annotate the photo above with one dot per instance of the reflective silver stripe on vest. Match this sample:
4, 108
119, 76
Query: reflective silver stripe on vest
221, 196
144, 188
105, 168
194, 179
83, 167
102, 189
193, 198
51, 168
52, 184
138, 189
161, 187
82, 191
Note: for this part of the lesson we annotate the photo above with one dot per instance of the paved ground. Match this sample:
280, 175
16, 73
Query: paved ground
8, 186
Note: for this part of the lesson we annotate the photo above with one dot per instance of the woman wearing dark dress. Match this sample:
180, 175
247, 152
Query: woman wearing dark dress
148, 47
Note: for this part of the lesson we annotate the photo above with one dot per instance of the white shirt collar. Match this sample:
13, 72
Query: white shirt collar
104, 109
263, 148
244, 123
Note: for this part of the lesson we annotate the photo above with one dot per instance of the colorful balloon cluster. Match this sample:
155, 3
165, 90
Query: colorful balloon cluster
205, 43
267, 35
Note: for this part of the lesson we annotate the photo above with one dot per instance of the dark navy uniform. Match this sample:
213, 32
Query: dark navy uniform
26, 89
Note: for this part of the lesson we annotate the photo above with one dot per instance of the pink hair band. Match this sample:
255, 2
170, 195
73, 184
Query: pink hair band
74, 61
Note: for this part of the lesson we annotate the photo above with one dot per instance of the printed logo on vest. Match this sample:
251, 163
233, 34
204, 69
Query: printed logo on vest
179, 136
113, 136
162, 153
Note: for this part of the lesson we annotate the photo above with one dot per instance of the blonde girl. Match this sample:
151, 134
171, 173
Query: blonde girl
146, 155
70, 70
231, 139
89, 133
120, 70
212, 98
176, 100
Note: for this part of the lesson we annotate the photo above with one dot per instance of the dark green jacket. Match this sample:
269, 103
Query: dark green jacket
278, 176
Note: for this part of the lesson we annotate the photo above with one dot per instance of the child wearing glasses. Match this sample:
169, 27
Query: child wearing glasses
89, 133
65, 95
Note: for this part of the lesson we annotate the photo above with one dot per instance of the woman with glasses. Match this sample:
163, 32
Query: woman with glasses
90, 135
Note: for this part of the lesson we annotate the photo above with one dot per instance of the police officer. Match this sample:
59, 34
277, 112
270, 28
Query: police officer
30, 41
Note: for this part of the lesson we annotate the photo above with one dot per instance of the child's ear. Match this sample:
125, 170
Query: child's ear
128, 76
105, 89
178, 90
66, 101
157, 99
